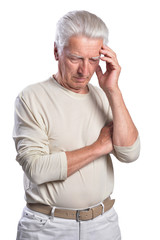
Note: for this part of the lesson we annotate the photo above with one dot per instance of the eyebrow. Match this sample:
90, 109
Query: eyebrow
80, 57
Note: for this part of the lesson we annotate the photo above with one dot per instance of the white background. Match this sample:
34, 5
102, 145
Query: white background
26, 56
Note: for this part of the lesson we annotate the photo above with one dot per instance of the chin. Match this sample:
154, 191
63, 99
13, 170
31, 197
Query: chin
81, 85
81, 88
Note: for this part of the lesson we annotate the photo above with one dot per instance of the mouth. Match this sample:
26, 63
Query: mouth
81, 79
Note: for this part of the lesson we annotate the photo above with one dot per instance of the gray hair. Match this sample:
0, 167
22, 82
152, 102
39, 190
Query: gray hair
79, 23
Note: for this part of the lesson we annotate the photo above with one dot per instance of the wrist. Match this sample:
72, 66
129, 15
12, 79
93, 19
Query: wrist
114, 97
95, 148
101, 147
113, 91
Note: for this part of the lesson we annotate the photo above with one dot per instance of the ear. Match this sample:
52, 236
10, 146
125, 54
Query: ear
56, 55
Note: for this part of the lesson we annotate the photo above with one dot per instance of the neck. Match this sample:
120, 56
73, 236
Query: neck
80, 91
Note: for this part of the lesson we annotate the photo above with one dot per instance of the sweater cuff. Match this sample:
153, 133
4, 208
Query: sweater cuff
63, 166
127, 153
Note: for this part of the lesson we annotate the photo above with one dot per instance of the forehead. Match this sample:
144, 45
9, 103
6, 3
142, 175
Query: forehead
83, 46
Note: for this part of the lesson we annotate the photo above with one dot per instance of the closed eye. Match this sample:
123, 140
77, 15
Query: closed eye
94, 60
74, 59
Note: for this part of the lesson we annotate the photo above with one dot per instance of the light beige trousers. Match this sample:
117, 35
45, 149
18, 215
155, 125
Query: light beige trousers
37, 226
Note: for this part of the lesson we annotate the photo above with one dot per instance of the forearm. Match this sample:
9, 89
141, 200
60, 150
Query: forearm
81, 157
124, 130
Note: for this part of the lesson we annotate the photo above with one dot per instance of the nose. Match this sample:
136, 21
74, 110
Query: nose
83, 68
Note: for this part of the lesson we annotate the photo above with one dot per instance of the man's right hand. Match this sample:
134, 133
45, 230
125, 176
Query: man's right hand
104, 145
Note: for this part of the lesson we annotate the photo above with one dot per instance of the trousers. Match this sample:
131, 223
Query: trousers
37, 226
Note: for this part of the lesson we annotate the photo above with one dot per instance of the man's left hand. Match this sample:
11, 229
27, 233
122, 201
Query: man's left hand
109, 80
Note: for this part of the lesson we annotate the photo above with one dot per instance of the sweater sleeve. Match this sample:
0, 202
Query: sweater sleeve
127, 154
32, 146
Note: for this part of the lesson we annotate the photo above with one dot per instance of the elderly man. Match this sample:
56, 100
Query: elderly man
65, 130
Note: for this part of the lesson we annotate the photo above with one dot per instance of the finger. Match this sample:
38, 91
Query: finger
111, 134
110, 123
109, 127
99, 72
111, 61
105, 47
107, 53
107, 59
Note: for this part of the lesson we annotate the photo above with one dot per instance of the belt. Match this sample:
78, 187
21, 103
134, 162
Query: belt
78, 215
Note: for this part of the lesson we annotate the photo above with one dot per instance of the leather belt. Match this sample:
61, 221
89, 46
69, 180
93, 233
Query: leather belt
78, 215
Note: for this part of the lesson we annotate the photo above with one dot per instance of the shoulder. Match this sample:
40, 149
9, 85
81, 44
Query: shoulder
35, 91
34, 96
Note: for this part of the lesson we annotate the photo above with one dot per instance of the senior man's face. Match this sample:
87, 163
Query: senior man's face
78, 62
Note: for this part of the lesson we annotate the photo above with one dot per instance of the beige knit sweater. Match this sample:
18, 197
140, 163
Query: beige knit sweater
50, 120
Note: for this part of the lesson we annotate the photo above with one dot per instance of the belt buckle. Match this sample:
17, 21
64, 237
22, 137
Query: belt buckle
77, 215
